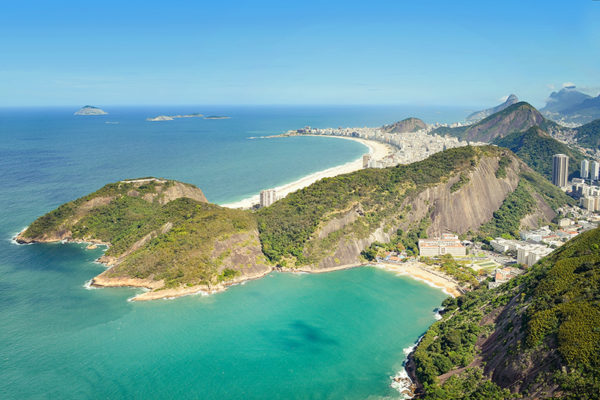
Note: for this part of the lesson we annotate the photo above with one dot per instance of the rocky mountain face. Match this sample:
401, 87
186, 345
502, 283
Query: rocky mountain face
462, 191
572, 106
564, 99
479, 115
516, 118
406, 125
90, 110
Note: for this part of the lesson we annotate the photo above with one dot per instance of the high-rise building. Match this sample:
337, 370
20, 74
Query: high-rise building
595, 170
560, 170
267, 197
366, 159
584, 172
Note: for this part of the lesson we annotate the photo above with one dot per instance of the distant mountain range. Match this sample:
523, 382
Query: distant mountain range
572, 106
479, 115
406, 125
517, 117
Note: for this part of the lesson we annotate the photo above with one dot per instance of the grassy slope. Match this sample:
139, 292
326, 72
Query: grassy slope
536, 148
537, 334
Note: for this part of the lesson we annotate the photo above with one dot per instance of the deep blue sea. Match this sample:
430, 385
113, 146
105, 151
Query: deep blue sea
330, 336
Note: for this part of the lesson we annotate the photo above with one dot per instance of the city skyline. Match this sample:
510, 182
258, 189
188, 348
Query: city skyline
438, 53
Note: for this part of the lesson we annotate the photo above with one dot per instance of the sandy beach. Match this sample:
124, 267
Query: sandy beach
422, 272
377, 150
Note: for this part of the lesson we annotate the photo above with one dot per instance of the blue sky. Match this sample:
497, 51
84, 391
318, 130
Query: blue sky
295, 52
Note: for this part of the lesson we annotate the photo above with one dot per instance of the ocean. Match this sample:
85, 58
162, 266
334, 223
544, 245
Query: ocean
338, 335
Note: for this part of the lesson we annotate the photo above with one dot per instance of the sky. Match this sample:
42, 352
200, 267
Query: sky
295, 52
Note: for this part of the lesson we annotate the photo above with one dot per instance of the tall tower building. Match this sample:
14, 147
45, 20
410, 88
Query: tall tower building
267, 197
560, 170
584, 172
595, 170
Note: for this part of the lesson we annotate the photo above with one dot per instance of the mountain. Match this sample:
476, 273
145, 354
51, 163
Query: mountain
568, 97
515, 118
479, 115
163, 235
406, 125
571, 106
534, 337
588, 135
90, 110
536, 148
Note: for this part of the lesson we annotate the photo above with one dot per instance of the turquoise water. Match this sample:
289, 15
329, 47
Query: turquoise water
338, 335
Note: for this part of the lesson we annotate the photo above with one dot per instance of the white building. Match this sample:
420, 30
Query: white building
595, 170
560, 170
267, 197
447, 244
584, 172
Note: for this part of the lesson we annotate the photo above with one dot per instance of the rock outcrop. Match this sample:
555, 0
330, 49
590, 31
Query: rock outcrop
479, 115
90, 110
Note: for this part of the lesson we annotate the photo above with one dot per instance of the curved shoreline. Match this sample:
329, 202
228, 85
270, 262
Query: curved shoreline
377, 150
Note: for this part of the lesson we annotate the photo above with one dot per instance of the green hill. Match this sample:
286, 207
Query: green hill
536, 148
534, 337
164, 235
516, 118
588, 135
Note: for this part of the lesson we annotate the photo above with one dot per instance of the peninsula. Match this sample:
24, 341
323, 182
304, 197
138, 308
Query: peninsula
169, 239
90, 110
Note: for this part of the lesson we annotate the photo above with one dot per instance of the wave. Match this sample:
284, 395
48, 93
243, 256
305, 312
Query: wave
88, 285
401, 382
13, 237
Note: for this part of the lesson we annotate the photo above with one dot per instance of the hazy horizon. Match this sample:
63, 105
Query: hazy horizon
308, 53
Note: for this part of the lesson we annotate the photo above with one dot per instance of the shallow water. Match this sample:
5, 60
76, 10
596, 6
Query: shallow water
336, 335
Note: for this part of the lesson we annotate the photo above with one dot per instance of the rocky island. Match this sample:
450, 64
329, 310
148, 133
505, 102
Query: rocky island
90, 110
165, 236
172, 117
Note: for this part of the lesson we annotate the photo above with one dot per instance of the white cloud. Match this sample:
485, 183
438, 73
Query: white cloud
568, 85
503, 99
550, 86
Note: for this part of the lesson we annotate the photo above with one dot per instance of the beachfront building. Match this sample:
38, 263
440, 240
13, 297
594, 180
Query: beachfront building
447, 244
560, 170
267, 197
366, 159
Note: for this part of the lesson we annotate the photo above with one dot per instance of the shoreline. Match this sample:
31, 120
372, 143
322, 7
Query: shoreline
377, 150
415, 270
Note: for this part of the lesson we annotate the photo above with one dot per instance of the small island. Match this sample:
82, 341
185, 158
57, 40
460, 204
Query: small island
172, 117
90, 110
216, 117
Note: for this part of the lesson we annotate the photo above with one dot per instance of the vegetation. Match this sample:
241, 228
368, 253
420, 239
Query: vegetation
507, 219
536, 149
545, 327
462, 180
174, 241
287, 225
588, 135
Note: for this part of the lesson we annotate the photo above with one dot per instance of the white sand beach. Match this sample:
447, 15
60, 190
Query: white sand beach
422, 272
377, 150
